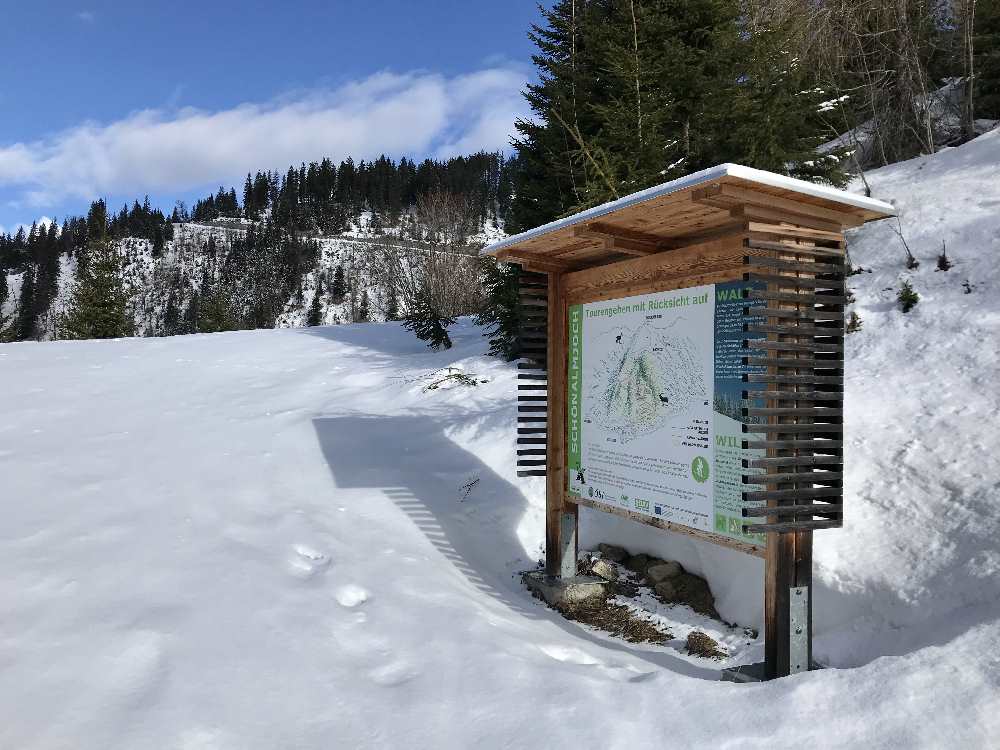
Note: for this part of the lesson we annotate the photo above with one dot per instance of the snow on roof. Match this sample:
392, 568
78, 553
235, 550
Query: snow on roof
749, 174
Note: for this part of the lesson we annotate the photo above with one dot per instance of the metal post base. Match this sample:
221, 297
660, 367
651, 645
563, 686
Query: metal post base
754, 672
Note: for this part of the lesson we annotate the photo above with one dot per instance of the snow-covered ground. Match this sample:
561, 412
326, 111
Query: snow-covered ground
275, 538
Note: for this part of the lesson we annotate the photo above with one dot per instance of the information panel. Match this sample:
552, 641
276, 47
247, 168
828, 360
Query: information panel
654, 410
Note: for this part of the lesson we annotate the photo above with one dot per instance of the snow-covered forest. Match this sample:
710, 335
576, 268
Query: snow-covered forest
318, 244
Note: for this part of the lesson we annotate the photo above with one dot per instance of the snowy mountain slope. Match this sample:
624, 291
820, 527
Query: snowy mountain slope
262, 540
151, 281
275, 538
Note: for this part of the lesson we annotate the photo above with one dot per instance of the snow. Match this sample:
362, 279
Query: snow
264, 539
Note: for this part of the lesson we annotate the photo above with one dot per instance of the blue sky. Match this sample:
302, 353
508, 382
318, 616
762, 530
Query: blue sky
120, 99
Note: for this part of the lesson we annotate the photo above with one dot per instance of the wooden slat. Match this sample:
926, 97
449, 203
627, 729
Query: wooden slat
818, 428
794, 379
782, 219
805, 327
798, 314
792, 265
787, 231
818, 477
794, 411
817, 345
811, 362
796, 395
803, 282
829, 254
804, 461
798, 492
797, 299
832, 446
815, 509
786, 528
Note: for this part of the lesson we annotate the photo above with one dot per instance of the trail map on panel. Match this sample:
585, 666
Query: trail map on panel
655, 405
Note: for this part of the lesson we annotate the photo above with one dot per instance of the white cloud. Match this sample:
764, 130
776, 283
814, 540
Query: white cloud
418, 114
41, 221
86, 16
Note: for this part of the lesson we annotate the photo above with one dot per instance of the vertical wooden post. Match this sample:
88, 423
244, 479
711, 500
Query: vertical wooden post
788, 568
560, 516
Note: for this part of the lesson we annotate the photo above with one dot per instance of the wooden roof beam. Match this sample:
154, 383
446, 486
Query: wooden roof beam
532, 262
779, 217
725, 195
623, 240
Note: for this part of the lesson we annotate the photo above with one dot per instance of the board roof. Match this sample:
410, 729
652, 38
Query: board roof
669, 213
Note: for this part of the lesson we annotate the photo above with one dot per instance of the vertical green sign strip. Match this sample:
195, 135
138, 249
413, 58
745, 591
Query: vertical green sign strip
574, 387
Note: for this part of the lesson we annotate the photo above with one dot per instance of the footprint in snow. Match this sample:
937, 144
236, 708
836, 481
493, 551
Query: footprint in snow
305, 562
394, 673
351, 595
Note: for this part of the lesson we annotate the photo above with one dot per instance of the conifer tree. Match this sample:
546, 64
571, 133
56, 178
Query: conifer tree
391, 304
214, 310
26, 308
189, 322
362, 314
499, 315
99, 306
986, 59
632, 94
6, 333
338, 289
158, 241
427, 323
315, 315
171, 317
907, 296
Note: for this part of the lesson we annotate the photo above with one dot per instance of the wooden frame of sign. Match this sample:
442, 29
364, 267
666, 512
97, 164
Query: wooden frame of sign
784, 239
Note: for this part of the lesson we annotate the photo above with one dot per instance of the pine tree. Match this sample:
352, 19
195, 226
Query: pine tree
362, 314
315, 315
391, 304
189, 323
499, 315
158, 241
427, 323
549, 181
907, 296
4, 289
6, 332
99, 306
214, 309
171, 317
338, 289
26, 307
632, 94
986, 59
97, 222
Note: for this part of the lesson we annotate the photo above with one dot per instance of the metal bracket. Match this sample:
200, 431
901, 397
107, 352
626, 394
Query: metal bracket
798, 629
567, 542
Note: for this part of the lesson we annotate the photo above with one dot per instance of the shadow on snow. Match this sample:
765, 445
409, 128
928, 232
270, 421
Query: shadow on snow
411, 461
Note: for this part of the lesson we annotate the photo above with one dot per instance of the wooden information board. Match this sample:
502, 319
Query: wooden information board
682, 366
